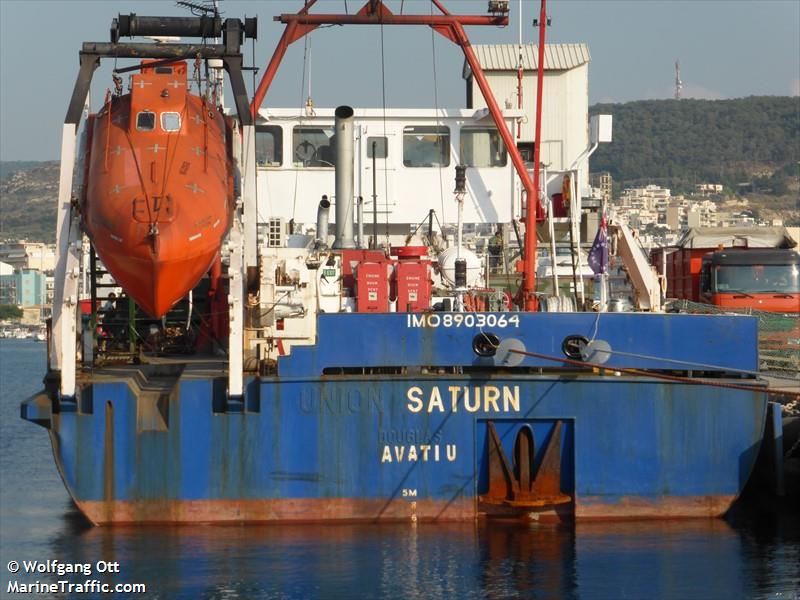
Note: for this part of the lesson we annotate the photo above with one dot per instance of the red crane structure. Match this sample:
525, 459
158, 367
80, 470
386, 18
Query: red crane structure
451, 26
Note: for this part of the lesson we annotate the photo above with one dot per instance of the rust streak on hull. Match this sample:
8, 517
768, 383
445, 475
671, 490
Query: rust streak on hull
668, 507
372, 510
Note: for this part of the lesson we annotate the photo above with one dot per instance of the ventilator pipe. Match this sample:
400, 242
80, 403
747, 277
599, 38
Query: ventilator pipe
322, 223
344, 177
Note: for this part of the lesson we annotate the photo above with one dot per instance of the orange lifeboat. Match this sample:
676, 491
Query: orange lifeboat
159, 186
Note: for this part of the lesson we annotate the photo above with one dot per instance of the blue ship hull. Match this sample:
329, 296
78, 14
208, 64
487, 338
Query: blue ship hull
395, 417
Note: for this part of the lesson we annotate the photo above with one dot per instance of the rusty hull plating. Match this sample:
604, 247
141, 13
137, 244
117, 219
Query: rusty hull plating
306, 446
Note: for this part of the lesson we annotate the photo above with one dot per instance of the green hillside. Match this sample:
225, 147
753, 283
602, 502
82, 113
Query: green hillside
10, 166
678, 143
28, 202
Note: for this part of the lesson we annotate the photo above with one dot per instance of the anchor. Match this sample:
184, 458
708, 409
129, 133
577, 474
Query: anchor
517, 486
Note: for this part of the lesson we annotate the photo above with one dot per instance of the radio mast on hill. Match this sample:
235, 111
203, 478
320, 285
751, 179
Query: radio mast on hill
678, 82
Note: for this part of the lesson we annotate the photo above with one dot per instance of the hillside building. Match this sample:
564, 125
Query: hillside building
24, 288
22, 254
708, 189
658, 216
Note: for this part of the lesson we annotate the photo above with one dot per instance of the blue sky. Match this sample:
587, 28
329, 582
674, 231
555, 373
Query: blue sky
727, 49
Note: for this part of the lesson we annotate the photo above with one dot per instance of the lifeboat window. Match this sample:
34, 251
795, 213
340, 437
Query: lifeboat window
482, 147
170, 121
146, 121
313, 147
426, 146
379, 143
164, 70
269, 146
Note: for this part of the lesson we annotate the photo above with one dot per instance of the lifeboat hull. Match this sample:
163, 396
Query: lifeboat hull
159, 191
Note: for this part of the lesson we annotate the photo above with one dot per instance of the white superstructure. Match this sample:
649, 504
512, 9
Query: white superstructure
416, 152
565, 105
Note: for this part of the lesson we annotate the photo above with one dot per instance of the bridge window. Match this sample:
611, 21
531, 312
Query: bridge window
170, 121
269, 146
313, 146
482, 147
380, 145
426, 146
146, 121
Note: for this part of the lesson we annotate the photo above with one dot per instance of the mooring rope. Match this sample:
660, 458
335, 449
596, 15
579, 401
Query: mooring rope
663, 376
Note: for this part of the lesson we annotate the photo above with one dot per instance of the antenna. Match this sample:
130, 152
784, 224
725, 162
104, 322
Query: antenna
202, 8
678, 82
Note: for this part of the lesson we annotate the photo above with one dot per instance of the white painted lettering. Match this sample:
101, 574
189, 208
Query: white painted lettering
490, 396
454, 389
387, 455
425, 448
473, 406
475, 399
451, 452
435, 400
510, 399
414, 400
399, 452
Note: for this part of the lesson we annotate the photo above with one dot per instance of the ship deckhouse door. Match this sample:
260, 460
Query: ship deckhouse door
387, 154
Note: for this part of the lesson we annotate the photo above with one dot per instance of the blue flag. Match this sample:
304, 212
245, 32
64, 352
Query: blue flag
598, 255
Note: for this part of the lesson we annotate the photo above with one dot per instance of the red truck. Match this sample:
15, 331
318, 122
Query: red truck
733, 267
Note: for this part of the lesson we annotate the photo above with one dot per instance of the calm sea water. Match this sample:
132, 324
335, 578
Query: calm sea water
754, 555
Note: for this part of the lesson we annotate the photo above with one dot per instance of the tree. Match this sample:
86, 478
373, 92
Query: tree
695, 141
9, 311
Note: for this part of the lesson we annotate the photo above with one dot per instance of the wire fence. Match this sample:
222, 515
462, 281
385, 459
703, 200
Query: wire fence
778, 334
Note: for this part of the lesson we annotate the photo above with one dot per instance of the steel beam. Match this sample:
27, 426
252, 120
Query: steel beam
144, 50
249, 204
67, 274
372, 13
528, 290
236, 304
236, 274
387, 18
132, 25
